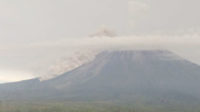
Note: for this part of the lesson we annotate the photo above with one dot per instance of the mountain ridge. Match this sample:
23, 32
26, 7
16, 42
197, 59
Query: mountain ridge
117, 75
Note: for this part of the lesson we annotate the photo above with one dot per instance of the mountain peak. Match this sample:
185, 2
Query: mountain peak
117, 75
140, 54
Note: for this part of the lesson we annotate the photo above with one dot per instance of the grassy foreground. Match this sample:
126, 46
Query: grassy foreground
91, 107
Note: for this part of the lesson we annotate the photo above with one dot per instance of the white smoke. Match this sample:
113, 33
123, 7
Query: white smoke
65, 64
133, 42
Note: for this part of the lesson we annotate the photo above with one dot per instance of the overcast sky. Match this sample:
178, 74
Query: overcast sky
36, 33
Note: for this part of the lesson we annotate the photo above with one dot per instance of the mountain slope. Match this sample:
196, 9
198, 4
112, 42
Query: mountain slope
156, 75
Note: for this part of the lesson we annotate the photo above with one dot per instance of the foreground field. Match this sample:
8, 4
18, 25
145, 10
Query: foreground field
91, 107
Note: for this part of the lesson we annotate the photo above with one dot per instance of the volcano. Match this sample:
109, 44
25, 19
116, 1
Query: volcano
150, 75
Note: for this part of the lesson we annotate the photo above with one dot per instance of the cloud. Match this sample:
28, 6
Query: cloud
83, 50
137, 6
48, 58
133, 42
14, 75
137, 10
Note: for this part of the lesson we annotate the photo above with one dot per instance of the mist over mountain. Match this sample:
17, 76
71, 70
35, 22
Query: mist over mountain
151, 75
66, 64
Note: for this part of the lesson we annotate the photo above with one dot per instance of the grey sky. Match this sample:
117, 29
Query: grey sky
29, 29
33, 20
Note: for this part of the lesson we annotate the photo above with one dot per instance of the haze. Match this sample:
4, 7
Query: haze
34, 34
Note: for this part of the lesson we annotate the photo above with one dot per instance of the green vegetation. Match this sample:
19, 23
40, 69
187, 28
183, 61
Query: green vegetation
91, 107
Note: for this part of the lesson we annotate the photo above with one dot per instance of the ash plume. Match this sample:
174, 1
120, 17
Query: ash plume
68, 63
